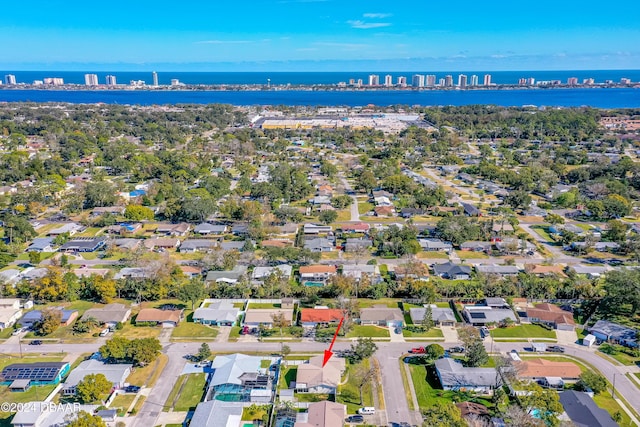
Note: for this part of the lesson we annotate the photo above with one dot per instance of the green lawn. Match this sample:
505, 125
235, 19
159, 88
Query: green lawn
368, 331
432, 255
192, 393
624, 358
36, 393
364, 207
349, 393
432, 333
523, 331
389, 302
149, 374
131, 331
259, 305
194, 331
287, 376
606, 402
471, 255
543, 231
122, 403
234, 334
427, 387
253, 412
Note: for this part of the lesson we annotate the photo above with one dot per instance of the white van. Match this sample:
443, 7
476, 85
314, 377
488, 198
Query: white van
105, 332
367, 410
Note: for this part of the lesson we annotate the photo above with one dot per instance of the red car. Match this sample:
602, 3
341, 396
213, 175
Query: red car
417, 350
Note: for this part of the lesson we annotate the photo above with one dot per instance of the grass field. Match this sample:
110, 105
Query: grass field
122, 403
261, 305
364, 207
523, 331
287, 376
389, 302
543, 231
149, 374
349, 393
432, 255
194, 331
234, 334
432, 333
192, 392
471, 255
131, 332
368, 331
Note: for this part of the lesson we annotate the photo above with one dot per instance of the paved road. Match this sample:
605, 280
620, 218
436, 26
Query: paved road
355, 213
558, 255
387, 354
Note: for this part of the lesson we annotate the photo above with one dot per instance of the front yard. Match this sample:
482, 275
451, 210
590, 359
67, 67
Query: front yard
523, 331
431, 333
368, 331
194, 332
349, 393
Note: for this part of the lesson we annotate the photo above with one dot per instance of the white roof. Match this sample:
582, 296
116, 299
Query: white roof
229, 369
114, 372
262, 272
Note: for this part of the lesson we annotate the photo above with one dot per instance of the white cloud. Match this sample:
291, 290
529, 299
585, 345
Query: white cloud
377, 15
367, 25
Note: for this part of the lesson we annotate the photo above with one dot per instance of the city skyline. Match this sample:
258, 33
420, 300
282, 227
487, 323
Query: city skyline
316, 35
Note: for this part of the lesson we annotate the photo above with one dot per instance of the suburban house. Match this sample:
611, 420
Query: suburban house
205, 229
598, 246
180, 229
10, 312
551, 315
539, 369
317, 229
440, 316
470, 210
227, 276
354, 245
381, 315
318, 273
32, 317
161, 243
20, 376
435, 245
475, 411
360, 227
128, 244
113, 210
217, 413
383, 210
454, 376
515, 246
319, 244
219, 313
481, 315
116, 374
166, 318
198, 245
124, 228
255, 317
605, 330
499, 269
132, 273
546, 270
311, 317
276, 243
358, 270
239, 378
583, 411
70, 228
476, 246
322, 414
312, 377
261, 273
84, 244
41, 244
31, 418
109, 315
232, 245
591, 271
449, 270
411, 212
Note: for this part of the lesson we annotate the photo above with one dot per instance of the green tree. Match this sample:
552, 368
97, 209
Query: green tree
622, 292
545, 402
443, 414
362, 349
115, 349
554, 219
85, 419
192, 292
144, 351
327, 217
18, 229
616, 231
138, 213
49, 322
363, 375
427, 319
93, 387
434, 351
366, 181
204, 352
476, 354
590, 380
34, 257
99, 193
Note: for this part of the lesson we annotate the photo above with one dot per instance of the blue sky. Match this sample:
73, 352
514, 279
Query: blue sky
317, 35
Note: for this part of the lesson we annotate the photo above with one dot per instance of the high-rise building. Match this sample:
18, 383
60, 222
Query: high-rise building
431, 80
402, 81
359, 82
10, 79
474, 80
155, 78
442, 82
54, 81
448, 80
374, 80
588, 81
462, 80
531, 81
417, 80
487, 79
91, 79
111, 81
625, 81
388, 80
572, 81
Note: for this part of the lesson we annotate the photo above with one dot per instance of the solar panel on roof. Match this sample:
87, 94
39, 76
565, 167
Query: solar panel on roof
478, 315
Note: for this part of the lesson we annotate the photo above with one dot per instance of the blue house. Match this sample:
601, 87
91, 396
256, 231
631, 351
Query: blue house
30, 374
609, 331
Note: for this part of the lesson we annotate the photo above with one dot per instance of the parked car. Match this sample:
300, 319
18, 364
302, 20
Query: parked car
398, 330
35, 342
514, 351
484, 332
16, 332
555, 349
417, 350
355, 419
132, 389
456, 350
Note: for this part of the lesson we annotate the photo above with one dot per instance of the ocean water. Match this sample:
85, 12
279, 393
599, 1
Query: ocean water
309, 78
594, 97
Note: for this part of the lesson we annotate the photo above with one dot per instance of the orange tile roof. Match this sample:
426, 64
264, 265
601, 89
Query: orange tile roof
157, 315
551, 313
548, 269
311, 269
537, 368
324, 315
